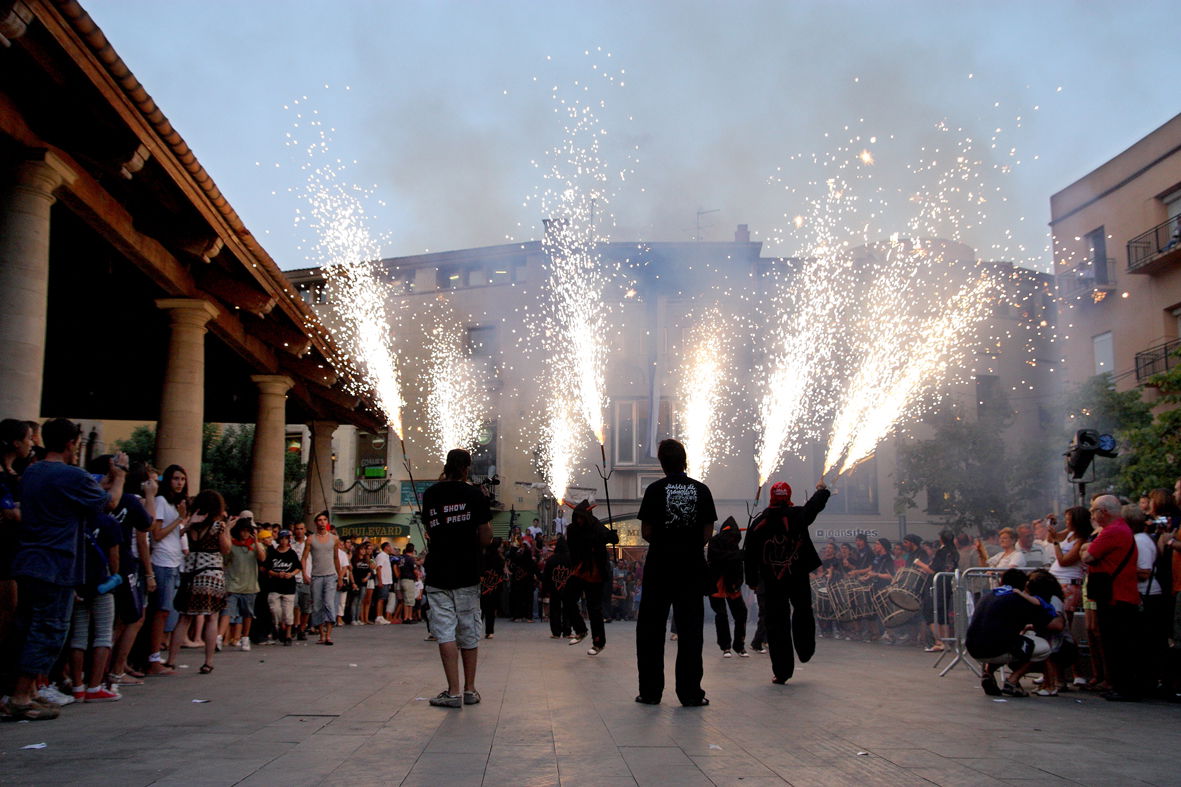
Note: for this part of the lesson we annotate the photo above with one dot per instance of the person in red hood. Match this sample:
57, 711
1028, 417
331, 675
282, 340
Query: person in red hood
780, 555
724, 557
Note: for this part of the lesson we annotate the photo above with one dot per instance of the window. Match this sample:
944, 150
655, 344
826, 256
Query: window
1104, 351
406, 279
371, 454
505, 272
1097, 254
858, 488
449, 278
631, 431
990, 398
484, 456
644, 480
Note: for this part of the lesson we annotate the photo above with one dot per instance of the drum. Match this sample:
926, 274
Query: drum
822, 605
891, 614
860, 600
906, 591
842, 605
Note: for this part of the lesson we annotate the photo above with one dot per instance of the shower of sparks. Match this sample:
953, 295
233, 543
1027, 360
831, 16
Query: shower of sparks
456, 401
703, 374
579, 187
904, 357
355, 286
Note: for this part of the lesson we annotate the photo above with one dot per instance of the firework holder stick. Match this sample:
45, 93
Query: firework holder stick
752, 510
605, 474
410, 472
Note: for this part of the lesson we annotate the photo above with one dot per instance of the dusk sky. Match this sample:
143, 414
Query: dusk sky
722, 104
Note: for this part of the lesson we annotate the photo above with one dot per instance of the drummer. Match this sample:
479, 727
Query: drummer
879, 573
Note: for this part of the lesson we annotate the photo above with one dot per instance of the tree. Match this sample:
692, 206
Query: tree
1154, 450
140, 446
963, 470
1096, 404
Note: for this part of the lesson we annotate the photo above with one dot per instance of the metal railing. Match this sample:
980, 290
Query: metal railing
1147, 246
1157, 359
367, 494
1087, 277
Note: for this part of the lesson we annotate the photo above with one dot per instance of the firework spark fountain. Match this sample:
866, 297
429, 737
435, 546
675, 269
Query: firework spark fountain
354, 284
702, 377
457, 403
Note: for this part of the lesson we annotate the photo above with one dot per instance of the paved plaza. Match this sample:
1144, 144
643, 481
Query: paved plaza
356, 714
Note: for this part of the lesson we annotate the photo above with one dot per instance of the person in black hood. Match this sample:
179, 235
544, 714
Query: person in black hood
588, 539
554, 578
780, 555
724, 558
491, 577
524, 577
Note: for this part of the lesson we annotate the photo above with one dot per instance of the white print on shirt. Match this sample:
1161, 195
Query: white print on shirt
457, 513
680, 505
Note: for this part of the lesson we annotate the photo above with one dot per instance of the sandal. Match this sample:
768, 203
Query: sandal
205, 669
31, 712
1047, 693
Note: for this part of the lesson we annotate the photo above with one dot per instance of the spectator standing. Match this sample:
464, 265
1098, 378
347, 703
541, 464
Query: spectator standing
677, 518
94, 608
302, 613
1153, 623
1032, 553
458, 526
241, 571
57, 499
1166, 510
16, 445
202, 593
344, 579
135, 514
1009, 555
407, 582
167, 556
1113, 554
384, 577
936, 615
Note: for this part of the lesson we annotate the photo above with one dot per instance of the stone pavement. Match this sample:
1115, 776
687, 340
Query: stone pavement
354, 714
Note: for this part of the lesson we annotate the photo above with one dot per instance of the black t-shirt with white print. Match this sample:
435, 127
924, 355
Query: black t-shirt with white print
679, 508
282, 562
453, 512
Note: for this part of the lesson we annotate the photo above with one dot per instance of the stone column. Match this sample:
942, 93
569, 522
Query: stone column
266, 464
320, 476
182, 396
24, 281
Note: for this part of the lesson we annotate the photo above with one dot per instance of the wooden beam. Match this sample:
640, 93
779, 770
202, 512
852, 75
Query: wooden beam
282, 337
235, 292
312, 370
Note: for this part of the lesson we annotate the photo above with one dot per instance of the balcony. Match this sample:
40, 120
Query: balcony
1094, 278
367, 497
1157, 249
1157, 359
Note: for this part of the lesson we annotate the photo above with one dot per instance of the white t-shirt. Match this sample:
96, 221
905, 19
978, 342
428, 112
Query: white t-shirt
560, 525
299, 547
1065, 574
1145, 557
385, 575
345, 562
168, 551
1015, 559
1034, 557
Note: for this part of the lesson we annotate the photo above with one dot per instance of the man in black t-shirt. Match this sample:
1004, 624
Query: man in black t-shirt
458, 526
997, 633
677, 518
779, 556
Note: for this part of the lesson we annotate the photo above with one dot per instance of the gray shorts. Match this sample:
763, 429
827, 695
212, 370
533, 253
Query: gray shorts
303, 597
455, 615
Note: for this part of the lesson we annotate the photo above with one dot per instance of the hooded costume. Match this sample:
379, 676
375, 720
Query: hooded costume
780, 555
723, 555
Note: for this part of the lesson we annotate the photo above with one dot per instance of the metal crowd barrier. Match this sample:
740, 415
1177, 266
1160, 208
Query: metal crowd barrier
963, 603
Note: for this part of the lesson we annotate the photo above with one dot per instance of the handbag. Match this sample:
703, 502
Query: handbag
1101, 585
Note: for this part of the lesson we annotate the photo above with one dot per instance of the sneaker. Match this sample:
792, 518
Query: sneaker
471, 697
759, 648
727, 654
742, 654
381, 621
595, 650
577, 638
301, 635
244, 645
53, 694
989, 684
79, 693
103, 694
445, 700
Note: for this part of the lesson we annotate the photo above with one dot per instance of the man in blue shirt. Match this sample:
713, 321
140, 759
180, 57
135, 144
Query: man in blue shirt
57, 499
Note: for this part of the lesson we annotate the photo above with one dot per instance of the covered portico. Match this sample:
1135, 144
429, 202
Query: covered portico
129, 287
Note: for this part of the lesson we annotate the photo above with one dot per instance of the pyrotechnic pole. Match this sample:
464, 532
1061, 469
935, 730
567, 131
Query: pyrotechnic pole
752, 510
605, 474
410, 472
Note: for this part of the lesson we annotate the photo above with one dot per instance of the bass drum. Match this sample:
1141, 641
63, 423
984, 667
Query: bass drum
822, 605
891, 614
906, 591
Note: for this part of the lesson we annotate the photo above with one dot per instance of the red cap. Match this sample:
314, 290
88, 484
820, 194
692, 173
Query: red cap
780, 493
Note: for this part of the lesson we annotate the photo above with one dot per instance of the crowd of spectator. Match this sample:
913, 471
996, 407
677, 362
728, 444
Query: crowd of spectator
107, 571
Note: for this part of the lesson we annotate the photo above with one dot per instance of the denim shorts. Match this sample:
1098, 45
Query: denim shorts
383, 593
43, 616
239, 605
94, 623
303, 597
455, 615
167, 581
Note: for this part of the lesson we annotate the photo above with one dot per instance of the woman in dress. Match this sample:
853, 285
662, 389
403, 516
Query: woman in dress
202, 593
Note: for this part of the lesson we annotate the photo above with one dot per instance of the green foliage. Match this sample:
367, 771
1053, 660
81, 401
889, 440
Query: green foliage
966, 462
225, 464
1096, 404
140, 446
294, 475
1154, 449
